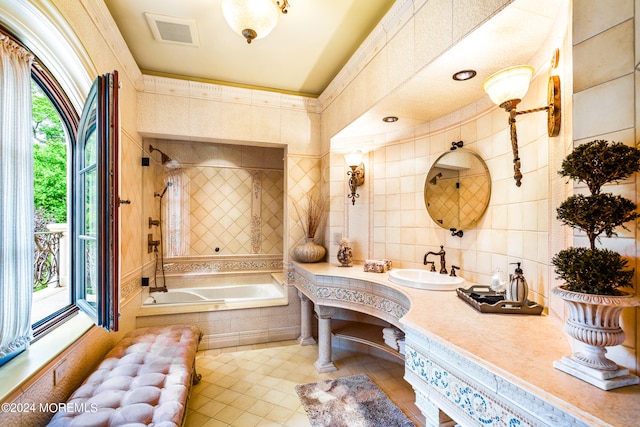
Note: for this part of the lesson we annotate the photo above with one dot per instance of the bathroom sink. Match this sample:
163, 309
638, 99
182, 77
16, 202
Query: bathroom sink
424, 279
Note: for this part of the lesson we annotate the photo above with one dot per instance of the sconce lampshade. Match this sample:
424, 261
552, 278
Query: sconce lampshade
508, 84
353, 158
252, 19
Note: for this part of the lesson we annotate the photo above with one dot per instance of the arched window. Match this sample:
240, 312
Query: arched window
54, 125
75, 239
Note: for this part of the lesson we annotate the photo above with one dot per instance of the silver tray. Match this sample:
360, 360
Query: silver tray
483, 299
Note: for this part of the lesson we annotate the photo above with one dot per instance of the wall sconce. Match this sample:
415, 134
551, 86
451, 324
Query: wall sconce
506, 88
356, 174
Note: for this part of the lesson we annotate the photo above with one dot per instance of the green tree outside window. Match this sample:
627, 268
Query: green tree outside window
49, 157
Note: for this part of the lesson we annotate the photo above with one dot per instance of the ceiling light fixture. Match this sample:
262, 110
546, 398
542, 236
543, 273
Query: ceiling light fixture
506, 88
390, 119
464, 75
253, 19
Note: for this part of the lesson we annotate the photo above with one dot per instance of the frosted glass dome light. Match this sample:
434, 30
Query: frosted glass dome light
252, 19
353, 158
509, 84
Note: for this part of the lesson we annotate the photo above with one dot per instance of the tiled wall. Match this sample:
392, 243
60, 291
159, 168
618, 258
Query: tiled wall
515, 226
223, 200
304, 176
389, 219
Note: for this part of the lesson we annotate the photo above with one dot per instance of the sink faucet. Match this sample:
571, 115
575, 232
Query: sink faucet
443, 262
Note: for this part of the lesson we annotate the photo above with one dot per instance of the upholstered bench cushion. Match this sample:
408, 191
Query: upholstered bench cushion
144, 380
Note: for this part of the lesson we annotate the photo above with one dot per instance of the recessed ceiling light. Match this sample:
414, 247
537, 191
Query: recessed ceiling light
464, 75
390, 119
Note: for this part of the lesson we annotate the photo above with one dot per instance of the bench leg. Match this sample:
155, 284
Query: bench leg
196, 376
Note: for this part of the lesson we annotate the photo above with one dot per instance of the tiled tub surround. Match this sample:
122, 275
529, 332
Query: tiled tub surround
221, 291
231, 324
479, 369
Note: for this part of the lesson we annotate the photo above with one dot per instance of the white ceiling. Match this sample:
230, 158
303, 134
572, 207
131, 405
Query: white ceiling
301, 55
317, 37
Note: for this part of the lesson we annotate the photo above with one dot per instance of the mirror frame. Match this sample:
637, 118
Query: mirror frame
431, 180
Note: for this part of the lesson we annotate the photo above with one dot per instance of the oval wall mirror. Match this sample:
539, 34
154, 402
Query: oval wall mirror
457, 189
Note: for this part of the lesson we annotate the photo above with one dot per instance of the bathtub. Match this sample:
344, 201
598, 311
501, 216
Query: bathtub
217, 294
189, 294
230, 309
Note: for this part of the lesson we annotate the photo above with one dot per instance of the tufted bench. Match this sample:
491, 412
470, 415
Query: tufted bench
143, 381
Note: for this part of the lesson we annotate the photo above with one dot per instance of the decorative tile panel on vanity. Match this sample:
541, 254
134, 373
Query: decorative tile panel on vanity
468, 392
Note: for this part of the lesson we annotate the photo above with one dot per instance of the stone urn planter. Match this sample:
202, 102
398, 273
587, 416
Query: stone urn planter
596, 280
594, 321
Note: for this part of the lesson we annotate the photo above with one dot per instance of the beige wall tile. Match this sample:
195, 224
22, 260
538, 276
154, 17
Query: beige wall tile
591, 17
204, 117
605, 108
604, 57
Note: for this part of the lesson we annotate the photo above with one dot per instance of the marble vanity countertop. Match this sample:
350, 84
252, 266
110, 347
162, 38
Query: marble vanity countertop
519, 348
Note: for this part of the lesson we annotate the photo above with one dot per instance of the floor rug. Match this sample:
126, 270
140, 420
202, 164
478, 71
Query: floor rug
350, 402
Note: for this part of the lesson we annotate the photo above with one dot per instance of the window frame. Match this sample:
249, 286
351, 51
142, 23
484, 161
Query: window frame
99, 122
41, 76
107, 313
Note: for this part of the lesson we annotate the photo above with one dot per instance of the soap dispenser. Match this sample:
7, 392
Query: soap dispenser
517, 289
497, 282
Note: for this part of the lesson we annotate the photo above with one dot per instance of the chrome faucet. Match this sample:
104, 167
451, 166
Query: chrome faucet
443, 262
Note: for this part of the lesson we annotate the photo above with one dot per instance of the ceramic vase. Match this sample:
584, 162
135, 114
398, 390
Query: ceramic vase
594, 321
309, 252
345, 254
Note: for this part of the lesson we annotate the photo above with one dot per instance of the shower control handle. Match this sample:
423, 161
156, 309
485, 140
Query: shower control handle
151, 244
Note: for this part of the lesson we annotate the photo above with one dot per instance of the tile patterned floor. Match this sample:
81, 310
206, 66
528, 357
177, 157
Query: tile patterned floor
254, 385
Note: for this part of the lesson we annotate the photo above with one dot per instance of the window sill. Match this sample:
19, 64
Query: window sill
18, 371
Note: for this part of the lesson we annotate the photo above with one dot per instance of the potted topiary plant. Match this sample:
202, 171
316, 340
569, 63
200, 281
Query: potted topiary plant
593, 276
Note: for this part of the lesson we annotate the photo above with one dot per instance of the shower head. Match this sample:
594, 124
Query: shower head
164, 159
172, 164
434, 180
161, 195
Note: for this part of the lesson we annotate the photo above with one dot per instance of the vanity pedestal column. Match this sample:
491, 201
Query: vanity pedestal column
306, 320
324, 363
434, 416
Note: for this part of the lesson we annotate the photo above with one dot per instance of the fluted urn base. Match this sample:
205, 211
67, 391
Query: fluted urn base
594, 322
309, 252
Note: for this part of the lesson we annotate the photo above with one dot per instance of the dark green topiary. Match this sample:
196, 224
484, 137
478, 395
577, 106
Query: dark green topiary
591, 270
597, 214
599, 162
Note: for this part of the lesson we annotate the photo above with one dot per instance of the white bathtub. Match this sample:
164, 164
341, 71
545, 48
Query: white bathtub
192, 294
217, 294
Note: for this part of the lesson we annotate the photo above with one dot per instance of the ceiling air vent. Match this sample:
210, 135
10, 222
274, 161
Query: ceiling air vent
170, 29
